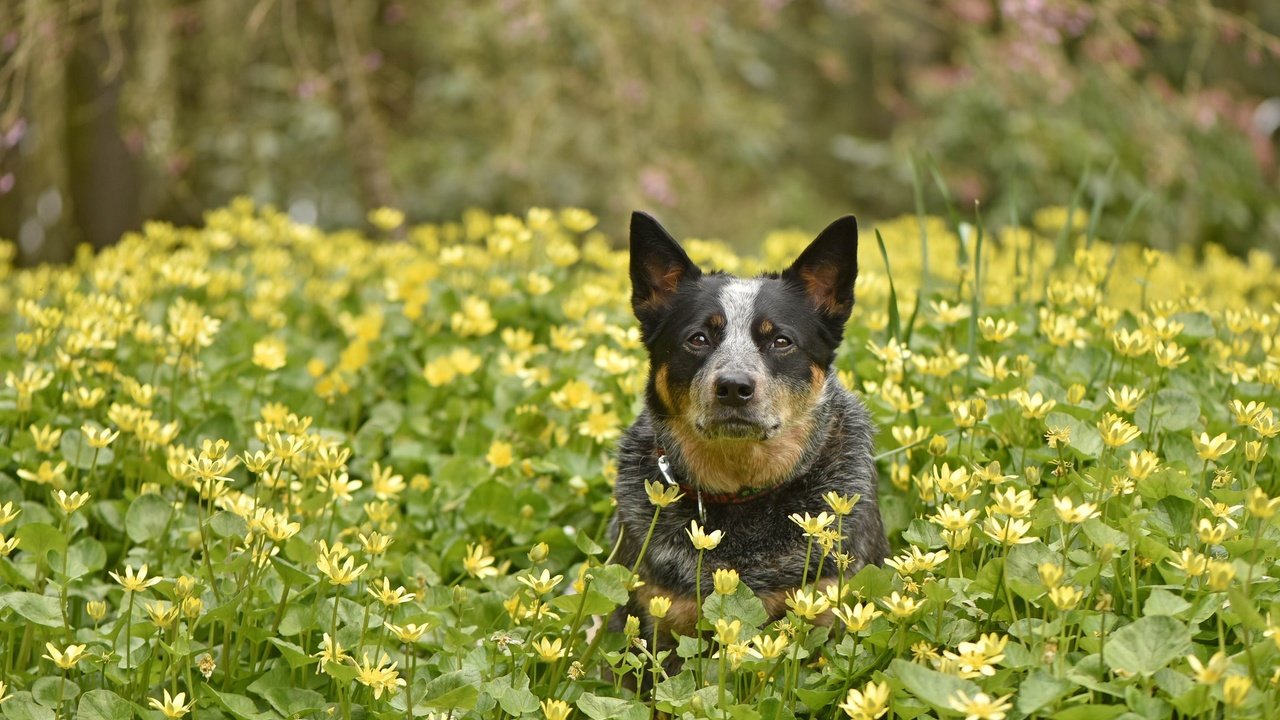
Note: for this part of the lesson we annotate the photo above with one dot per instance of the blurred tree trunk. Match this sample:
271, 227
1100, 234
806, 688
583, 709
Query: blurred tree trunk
45, 233
365, 136
104, 181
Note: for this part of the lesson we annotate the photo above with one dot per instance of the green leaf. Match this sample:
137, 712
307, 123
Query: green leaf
147, 518
607, 708
930, 685
674, 692
1174, 410
39, 609
46, 690
238, 705
1040, 690
741, 605
456, 690
513, 696
293, 654
290, 702
226, 524
103, 705
21, 706
1148, 644
1163, 602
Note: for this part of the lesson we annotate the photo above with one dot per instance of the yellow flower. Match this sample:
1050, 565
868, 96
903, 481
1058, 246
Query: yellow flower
901, 606
46, 474
662, 495
869, 703
269, 354
1011, 532
1256, 501
1221, 573
500, 455
386, 219
857, 617
1074, 514
997, 331
1212, 448
172, 706
1066, 597
1191, 562
549, 650
812, 525
1015, 504
389, 596
659, 606
555, 709
70, 503
1126, 399
701, 539
1170, 355
726, 581
1116, 431
1244, 413
1208, 674
478, 562
841, 504
980, 706
136, 583
65, 659
806, 604
727, 631
1142, 463
1235, 689
1050, 574
1034, 406
46, 438
381, 677
408, 633
768, 648
339, 571
542, 584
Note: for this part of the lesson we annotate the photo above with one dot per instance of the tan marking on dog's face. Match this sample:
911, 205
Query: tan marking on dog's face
682, 616
716, 321
766, 327
726, 466
663, 386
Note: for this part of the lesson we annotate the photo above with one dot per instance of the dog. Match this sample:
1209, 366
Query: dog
744, 412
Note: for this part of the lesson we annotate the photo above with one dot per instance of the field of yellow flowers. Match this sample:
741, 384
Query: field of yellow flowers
256, 470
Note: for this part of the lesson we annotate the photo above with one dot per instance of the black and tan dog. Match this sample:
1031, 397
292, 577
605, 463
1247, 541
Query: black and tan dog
745, 412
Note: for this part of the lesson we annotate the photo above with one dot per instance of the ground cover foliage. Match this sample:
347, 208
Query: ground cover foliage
255, 470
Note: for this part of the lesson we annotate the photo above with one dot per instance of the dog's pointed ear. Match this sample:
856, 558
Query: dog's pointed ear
827, 269
658, 265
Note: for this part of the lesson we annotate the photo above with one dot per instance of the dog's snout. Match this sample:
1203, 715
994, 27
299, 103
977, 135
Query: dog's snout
735, 389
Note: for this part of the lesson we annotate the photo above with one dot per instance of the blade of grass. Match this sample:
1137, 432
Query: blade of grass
895, 322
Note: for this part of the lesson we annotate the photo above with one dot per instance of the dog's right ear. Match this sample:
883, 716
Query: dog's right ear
658, 266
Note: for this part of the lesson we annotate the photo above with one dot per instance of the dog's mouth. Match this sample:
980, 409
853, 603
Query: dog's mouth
736, 427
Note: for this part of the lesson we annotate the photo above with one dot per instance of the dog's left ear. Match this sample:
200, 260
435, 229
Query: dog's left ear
827, 269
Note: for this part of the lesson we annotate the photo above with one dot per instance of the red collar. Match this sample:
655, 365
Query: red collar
694, 493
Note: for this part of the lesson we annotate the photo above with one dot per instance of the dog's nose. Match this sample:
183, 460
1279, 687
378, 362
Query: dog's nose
735, 389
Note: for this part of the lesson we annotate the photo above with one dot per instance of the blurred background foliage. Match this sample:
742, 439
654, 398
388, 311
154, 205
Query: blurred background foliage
726, 119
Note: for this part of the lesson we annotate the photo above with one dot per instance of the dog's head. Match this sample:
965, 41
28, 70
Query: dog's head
740, 359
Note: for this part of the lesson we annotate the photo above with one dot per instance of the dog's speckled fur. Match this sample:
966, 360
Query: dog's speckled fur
800, 432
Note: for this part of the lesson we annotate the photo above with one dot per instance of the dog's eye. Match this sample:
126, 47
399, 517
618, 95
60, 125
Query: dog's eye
699, 340
782, 342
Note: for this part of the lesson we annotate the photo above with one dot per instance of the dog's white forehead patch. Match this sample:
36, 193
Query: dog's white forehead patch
738, 300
